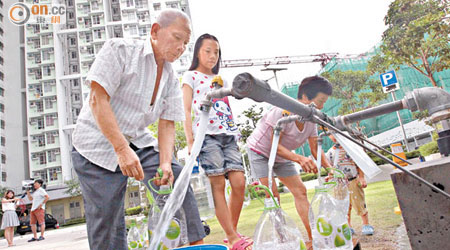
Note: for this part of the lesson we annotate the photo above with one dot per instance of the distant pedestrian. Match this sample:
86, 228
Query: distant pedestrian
356, 185
10, 219
37, 215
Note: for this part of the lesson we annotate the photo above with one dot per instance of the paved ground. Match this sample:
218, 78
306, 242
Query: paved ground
75, 237
70, 238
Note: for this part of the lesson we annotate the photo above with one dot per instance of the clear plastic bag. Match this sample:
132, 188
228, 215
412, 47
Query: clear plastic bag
176, 234
328, 217
275, 229
133, 237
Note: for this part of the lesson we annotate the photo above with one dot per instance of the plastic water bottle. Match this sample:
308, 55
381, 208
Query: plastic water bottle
328, 218
133, 237
275, 229
176, 235
143, 233
203, 194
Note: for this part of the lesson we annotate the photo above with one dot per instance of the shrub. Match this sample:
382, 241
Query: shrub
429, 148
412, 154
133, 210
74, 221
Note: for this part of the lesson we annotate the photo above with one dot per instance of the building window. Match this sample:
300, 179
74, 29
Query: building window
1, 60
2, 108
74, 68
2, 124
51, 156
42, 158
39, 107
143, 31
47, 71
41, 140
42, 174
75, 83
76, 97
3, 176
71, 15
3, 158
2, 92
1, 76
173, 5
45, 40
70, 3
97, 34
133, 30
94, 5
1, 18
48, 86
157, 6
40, 123
45, 55
49, 120
73, 54
51, 137
129, 3
48, 103
72, 41
3, 141
96, 19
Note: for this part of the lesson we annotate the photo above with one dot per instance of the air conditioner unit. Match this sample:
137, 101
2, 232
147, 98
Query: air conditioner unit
57, 153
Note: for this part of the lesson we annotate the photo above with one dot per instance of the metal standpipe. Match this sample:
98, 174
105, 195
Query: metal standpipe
435, 100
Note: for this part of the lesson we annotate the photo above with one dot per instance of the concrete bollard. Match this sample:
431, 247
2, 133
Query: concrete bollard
425, 212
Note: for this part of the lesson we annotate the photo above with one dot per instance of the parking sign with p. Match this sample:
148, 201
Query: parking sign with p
389, 81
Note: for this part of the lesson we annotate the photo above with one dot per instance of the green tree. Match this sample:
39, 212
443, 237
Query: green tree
252, 115
417, 36
355, 89
180, 138
73, 187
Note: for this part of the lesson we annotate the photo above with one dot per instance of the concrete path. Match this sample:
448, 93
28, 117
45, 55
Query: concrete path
71, 238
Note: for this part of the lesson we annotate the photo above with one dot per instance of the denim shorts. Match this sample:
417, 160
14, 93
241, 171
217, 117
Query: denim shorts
220, 154
259, 165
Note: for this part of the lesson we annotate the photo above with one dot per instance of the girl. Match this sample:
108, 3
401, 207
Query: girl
220, 156
10, 219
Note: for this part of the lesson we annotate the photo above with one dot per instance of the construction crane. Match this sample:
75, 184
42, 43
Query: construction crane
323, 58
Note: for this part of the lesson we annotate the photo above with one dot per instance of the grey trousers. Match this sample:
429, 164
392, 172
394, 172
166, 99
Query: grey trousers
104, 192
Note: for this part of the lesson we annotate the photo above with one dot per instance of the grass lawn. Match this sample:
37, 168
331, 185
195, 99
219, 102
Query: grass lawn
380, 199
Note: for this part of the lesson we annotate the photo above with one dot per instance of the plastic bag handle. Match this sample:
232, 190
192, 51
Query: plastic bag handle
253, 190
160, 172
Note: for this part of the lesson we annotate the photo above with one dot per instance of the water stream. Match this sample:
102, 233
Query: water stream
179, 192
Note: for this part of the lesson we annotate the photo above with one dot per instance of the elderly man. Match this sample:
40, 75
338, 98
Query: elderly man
132, 85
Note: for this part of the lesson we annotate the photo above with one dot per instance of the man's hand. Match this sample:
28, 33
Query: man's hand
167, 175
129, 163
362, 181
307, 164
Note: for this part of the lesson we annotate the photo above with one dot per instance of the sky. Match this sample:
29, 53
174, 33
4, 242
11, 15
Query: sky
249, 29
